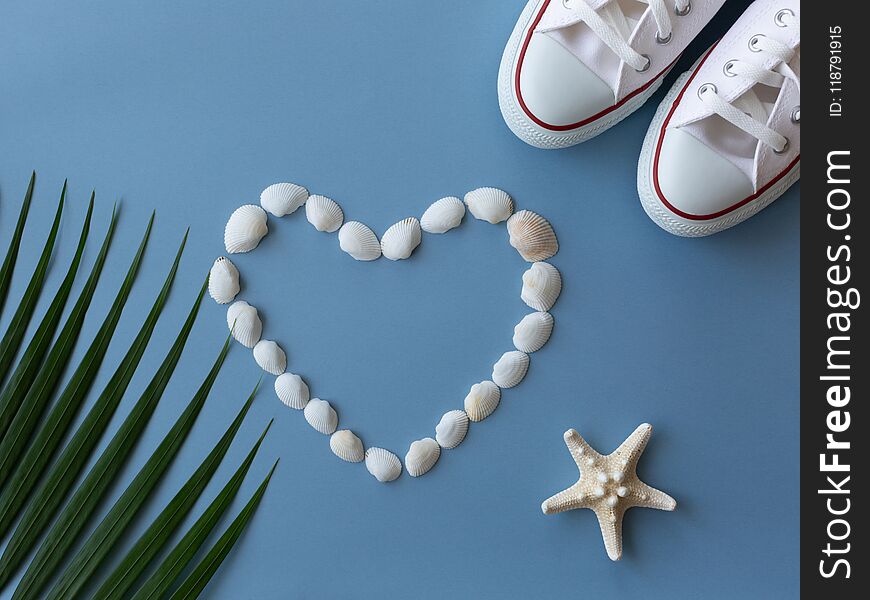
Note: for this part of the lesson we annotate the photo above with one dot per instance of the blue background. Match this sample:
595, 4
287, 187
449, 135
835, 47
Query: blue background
193, 107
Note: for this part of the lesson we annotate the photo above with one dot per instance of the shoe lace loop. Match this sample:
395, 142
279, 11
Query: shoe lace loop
747, 112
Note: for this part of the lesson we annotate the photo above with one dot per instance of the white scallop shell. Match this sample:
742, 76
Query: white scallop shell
245, 323
383, 464
533, 331
510, 369
347, 446
292, 390
489, 204
321, 416
482, 400
542, 285
223, 281
443, 215
359, 241
532, 236
324, 213
400, 239
422, 456
245, 228
451, 429
270, 357
283, 198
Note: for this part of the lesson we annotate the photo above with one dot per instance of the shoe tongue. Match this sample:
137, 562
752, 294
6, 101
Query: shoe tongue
759, 100
623, 16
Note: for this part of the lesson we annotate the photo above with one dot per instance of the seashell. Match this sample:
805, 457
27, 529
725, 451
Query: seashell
283, 198
321, 416
292, 390
482, 400
532, 236
422, 456
347, 446
451, 429
383, 464
489, 204
270, 357
223, 281
443, 215
325, 214
400, 239
533, 331
244, 323
542, 285
510, 369
359, 241
245, 228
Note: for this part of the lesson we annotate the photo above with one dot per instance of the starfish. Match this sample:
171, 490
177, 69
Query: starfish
609, 486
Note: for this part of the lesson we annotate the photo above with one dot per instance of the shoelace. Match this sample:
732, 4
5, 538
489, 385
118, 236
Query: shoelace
747, 112
612, 26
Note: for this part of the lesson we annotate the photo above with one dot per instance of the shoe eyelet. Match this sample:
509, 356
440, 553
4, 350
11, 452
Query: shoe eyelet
685, 11
648, 63
796, 115
753, 42
726, 68
784, 148
664, 40
705, 88
779, 18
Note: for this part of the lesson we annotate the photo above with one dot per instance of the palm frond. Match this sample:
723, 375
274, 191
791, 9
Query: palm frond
41, 450
193, 585
15, 244
21, 319
62, 535
180, 556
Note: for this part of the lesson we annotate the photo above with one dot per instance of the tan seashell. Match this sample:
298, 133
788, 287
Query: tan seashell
532, 236
482, 400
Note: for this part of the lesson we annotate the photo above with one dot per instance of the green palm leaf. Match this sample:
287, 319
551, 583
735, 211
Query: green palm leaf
34, 404
25, 372
180, 556
30, 468
156, 536
197, 580
12, 339
75, 515
14, 245
72, 461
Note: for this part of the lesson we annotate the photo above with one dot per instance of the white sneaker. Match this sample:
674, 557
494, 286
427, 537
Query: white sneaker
725, 141
574, 68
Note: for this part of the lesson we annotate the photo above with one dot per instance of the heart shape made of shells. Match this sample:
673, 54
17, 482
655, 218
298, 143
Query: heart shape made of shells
531, 235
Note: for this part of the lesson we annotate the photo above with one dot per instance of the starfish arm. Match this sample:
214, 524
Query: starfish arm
565, 500
649, 497
611, 530
631, 449
578, 447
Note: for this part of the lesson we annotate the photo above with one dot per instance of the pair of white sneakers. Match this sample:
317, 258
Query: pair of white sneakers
725, 141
